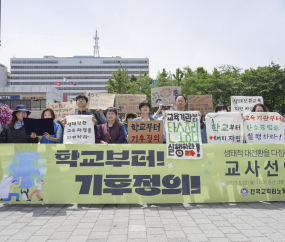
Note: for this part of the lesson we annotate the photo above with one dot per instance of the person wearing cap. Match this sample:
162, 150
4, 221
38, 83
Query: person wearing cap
129, 117
15, 132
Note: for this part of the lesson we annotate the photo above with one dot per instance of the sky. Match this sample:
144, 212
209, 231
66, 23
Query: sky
172, 34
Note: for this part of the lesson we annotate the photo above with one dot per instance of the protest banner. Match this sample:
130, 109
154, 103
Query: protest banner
62, 109
124, 173
183, 136
263, 128
165, 95
202, 103
145, 131
79, 129
224, 128
129, 103
100, 100
244, 104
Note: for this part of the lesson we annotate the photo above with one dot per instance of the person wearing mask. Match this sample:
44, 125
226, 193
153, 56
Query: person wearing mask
15, 132
111, 132
144, 107
220, 108
57, 136
129, 117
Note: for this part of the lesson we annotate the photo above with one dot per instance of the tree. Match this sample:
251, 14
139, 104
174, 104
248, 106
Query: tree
163, 79
178, 77
268, 82
115, 85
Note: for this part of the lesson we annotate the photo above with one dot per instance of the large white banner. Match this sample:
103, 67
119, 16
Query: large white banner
244, 104
183, 135
79, 129
263, 128
224, 128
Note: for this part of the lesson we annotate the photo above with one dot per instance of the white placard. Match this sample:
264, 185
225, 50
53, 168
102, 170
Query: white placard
183, 135
224, 128
79, 129
244, 104
263, 128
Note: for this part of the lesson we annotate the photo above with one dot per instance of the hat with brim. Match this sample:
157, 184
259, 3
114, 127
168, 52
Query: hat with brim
21, 107
127, 114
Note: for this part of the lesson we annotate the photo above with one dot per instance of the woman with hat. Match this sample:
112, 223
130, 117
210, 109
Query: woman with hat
129, 117
15, 132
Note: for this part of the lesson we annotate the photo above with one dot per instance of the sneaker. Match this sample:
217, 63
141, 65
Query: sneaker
41, 200
29, 200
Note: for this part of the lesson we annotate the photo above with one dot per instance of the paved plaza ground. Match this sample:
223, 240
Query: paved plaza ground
259, 221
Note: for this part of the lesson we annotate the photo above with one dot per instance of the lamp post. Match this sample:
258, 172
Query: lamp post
123, 78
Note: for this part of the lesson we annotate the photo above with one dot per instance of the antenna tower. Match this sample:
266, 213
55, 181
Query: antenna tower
96, 47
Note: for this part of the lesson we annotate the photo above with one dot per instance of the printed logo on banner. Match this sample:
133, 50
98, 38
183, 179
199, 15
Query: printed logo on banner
244, 191
263, 128
183, 137
244, 104
224, 128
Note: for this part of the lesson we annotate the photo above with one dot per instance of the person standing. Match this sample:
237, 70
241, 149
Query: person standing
15, 132
38, 190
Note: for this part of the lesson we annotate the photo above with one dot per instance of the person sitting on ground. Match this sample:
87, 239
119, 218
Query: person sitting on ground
57, 136
111, 132
14, 132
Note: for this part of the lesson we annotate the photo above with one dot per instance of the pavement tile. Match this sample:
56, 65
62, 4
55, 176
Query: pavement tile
260, 239
175, 234
133, 228
117, 238
60, 235
81, 232
151, 231
197, 237
80, 238
219, 239
41, 238
207, 226
156, 238
45, 232
229, 230
237, 237
242, 226
136, 222
21, 236
171, 227
137, 235
252, 233
98, 235
98, 228
123, 231
213, 233
192, 230
276, 237
153, 224
178, 240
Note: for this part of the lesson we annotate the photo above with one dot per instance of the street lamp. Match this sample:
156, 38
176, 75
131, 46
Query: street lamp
123, 78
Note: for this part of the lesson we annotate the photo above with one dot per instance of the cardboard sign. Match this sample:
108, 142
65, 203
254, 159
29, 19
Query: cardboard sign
202, 103
129, 103
145, 132
63, 109
100, 100
263, 128
224, 128
183, 135
244, 104
79, 129
165, 95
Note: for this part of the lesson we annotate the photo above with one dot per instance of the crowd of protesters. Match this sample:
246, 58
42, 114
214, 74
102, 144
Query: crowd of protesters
107, 127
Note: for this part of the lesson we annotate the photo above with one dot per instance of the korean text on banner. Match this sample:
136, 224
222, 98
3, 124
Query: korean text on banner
165, 95
202, 103
100, 100
129, 103
244, 104
263, 128
224, 128
183, 136
145, 131
79, 129
61, 110
141, 174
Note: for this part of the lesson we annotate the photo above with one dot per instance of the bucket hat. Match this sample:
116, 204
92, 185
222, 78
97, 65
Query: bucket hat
127, 114
21, 107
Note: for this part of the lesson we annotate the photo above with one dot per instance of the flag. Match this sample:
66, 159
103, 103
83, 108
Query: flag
73, 83
64, 79
56, 83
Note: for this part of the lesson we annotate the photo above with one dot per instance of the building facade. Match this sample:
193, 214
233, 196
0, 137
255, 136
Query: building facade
4, 76
87, 72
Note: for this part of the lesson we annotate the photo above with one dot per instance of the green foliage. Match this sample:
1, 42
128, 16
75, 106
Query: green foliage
224, 81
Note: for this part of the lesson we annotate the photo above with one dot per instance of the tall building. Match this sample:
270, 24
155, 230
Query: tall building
89, 73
